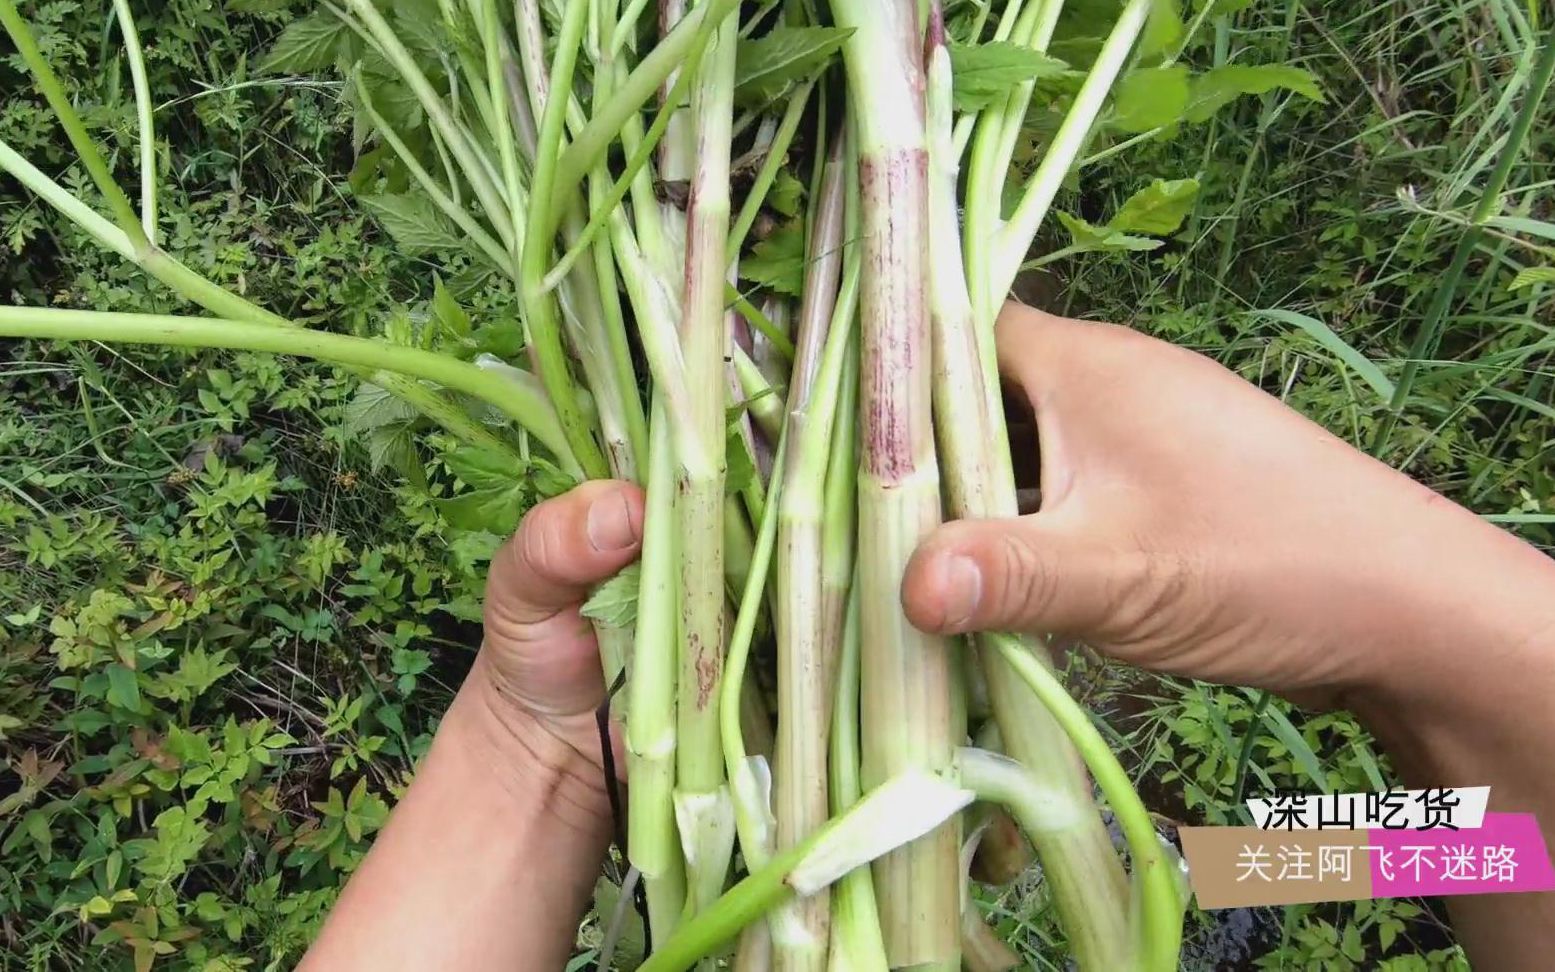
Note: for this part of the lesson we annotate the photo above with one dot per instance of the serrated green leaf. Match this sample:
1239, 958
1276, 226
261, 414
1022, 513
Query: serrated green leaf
1151, 98
373, 407
1087, 237
1157, 209
984, 73
482, 468
1530, 276
306, 45
766, 66
502, 491
1218, 87
414, 222
778, 262
614, 603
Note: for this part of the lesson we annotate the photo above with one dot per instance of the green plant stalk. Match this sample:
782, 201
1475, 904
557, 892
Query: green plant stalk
500, 116
493, 250
545, 211
762, 401
897, 811
1085, 875
907, 684
86, 150
476, 169
750, 783
1160, 903
855, 929
513, 399
806, 636
1489, 204
699, 503
1013, 239
652, 844
672, 51
989, 165
143, 116
192, 287
109, 236
640, 156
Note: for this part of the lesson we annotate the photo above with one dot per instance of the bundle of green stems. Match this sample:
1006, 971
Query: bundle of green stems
611, 166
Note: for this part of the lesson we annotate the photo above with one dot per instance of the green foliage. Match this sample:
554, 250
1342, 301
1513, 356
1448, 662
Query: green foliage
771, 64
984, 74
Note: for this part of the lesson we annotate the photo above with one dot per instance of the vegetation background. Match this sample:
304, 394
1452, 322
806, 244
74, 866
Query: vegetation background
235, 595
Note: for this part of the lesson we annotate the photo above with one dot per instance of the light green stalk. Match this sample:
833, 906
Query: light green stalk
540, 313
906, 692
1085, 875
518, 401
898, 811
706, 811
807, 633
856, 945
1014, 238
1159, 909
86, 150
652, 844
147, 133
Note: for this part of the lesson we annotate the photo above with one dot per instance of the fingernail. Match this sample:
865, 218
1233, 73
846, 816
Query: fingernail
963, 589
610, 523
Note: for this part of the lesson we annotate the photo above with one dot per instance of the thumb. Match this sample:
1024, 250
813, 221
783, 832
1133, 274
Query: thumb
1031, 574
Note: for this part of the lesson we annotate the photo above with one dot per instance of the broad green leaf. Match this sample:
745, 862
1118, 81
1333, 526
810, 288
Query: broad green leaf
1363, 367
1150, 99
501, 490
778, 262
482, 468
123, 688
1089, 238
306, 45
1157, 209
984, 73
614, 603
1530, 276
416, 225
1223, 7
1218, 87
766, 66
1163, 30
739, 470
786, 194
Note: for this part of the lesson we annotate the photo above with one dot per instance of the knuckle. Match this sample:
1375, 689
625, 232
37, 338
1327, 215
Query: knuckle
1029, 587
1148, 605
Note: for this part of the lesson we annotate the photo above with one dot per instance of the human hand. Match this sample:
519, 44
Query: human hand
1192, 524
538, 673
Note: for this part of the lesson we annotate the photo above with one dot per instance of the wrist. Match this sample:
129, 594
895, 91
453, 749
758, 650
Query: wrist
529, 764
1468, 667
